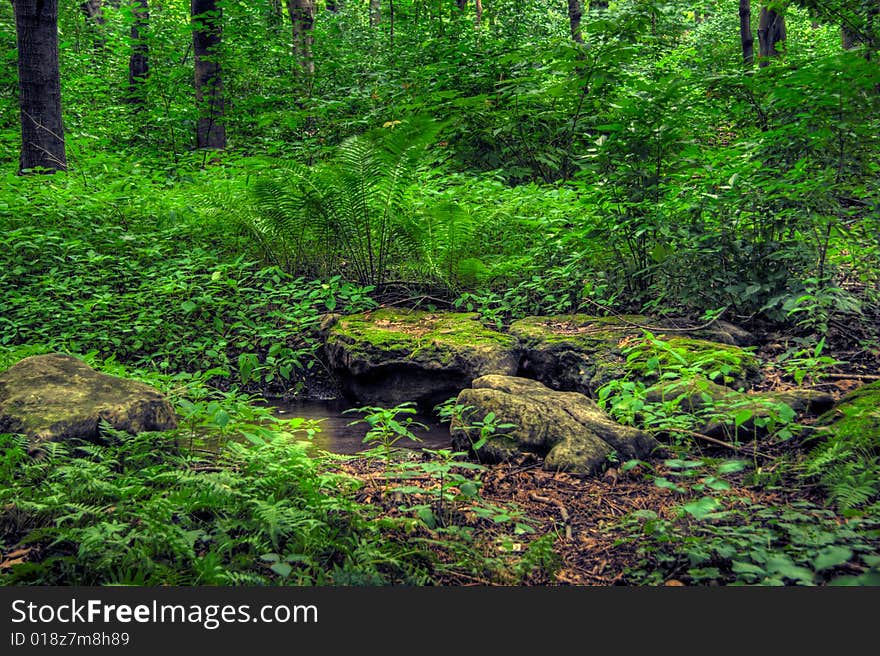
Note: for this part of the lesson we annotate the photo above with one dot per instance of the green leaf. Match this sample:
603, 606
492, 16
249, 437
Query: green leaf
282, 569
832, 556
699, 509
731, 467
665, 483
189, 307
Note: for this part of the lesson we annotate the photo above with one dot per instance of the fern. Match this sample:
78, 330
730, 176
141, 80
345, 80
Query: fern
350, 215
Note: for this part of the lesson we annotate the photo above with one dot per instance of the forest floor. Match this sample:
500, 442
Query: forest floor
591, 545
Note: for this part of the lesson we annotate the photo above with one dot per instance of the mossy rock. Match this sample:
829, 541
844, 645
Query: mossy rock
389, 356
581, 352
57, 397
568, 430
719, 406
574, 352
728, 364
856, 416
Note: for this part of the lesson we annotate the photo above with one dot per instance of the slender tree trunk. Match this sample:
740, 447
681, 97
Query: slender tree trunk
478, 9
745, 32
574, 20
94, 11
302, 17
771, 30
375, 12
139, 62
39, 85
848, 38
207, 30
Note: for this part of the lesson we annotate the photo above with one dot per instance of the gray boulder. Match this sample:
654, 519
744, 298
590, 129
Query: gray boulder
567, 429
57, 397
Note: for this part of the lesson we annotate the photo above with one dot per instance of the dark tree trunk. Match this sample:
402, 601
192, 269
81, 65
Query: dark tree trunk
207, 29
574, 20
849, 39
771, 30
39, 85
302, 17
745, 32
93, 11
462, 5
139, 62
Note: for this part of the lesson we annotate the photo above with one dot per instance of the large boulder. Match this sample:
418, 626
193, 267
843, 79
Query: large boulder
57, 397
567, 429
390, 356
581, 353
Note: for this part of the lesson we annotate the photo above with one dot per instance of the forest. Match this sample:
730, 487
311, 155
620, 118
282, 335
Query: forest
592, 289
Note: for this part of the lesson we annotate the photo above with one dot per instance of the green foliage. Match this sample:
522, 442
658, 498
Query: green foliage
742, 543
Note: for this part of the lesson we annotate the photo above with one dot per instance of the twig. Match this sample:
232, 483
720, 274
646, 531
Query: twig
848, 376
563, 512
653, 328
718, 442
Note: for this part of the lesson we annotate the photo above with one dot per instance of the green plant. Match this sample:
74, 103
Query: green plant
741, 542
387, 428
808, 364
349, 215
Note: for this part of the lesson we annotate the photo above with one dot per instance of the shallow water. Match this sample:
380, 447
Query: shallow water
338, 435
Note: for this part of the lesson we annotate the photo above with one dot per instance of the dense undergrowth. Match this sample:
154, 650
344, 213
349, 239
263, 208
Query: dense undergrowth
499, 170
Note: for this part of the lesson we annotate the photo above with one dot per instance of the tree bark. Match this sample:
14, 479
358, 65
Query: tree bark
848, 38
39, 85
574, 20
302, 17
375, 13
478, 11
207, 30
771, 30
94, 11
745, 32
139, 62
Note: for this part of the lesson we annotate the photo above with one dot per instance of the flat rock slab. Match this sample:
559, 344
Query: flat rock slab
581, 353
567, 429
57, 397
390, 356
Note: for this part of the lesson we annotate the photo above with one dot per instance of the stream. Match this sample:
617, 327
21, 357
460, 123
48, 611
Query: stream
339, 436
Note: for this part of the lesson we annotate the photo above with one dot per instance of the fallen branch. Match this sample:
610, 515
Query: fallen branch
563, 512
727, 445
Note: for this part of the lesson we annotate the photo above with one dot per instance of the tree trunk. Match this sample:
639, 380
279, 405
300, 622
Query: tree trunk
462, 5
302, 17
848, 38
375, 13
139, 62
207, 28
574, 20
39, 85
745, 32
478, 9
94, 11
771, 30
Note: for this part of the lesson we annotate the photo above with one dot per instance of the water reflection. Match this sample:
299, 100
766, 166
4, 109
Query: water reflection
338, 435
